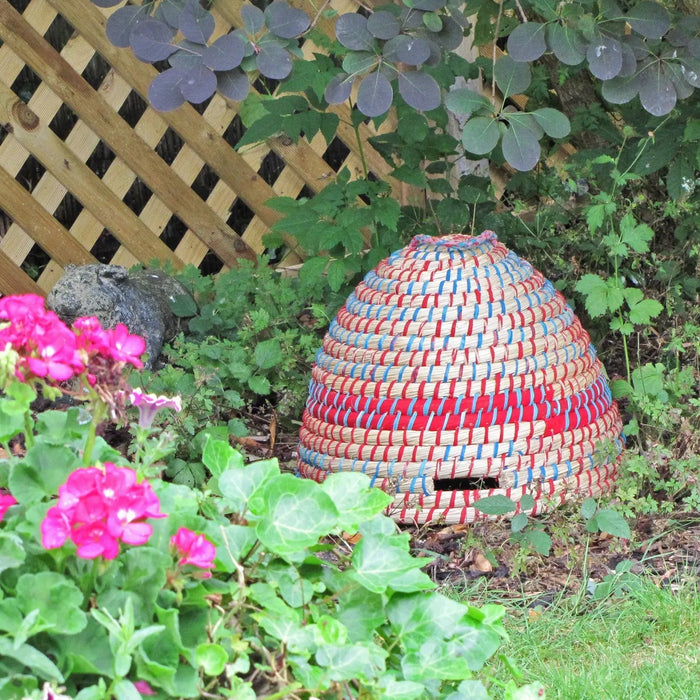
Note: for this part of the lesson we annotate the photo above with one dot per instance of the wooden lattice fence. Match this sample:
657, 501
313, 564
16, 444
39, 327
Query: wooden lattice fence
88, 169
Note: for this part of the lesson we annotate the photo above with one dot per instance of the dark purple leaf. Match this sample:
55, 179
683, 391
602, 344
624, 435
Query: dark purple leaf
152, 40
450, 36
567, 43
339, 89
466, 101
233, 84
121, 24
428, 5
690, 67
359, 62
554, 122
604, 56
675, 72
480, 135
274, 61
285, 21
649, 19
419, 90
383, 25
253, 18
106, 3
374, 95
164, 93
656, 91
639, 46
523, 120
629, 61
694, 47
410, 19
351, 31
196, 23
409, 50
188, 56
169, 11
520, 147
225, 53
526, 42
619, 91
198, 84
511, 77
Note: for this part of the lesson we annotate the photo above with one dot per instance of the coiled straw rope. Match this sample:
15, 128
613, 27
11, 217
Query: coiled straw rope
455, 371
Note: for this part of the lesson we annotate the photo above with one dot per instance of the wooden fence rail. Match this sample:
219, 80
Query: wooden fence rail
74, 150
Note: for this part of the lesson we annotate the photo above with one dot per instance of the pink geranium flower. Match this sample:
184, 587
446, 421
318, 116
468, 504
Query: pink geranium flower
194, 549
98, 508
144, 688
46, 346
150, 404
6, 501
124, 347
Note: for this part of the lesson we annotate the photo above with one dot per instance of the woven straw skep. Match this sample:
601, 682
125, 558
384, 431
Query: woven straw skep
454, 372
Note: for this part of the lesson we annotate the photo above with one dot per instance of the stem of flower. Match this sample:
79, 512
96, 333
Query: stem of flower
28, 430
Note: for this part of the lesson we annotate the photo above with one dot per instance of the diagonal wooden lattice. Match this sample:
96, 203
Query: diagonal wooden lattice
70, 162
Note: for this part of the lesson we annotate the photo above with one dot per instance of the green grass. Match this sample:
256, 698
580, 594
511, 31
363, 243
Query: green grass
644, 645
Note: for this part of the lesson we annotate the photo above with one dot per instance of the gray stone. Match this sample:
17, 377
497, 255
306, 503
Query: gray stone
139, 300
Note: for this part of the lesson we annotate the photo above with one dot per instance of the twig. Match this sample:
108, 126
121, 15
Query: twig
520, 10
493, 56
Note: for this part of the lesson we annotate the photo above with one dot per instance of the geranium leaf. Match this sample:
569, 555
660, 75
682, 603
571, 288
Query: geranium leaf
527, 42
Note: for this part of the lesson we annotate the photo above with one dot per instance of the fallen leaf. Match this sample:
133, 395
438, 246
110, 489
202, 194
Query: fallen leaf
482, 563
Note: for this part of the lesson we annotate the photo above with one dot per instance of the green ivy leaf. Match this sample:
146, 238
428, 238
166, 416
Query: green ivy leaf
379, 563
239, 483
355, 499
297, 513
